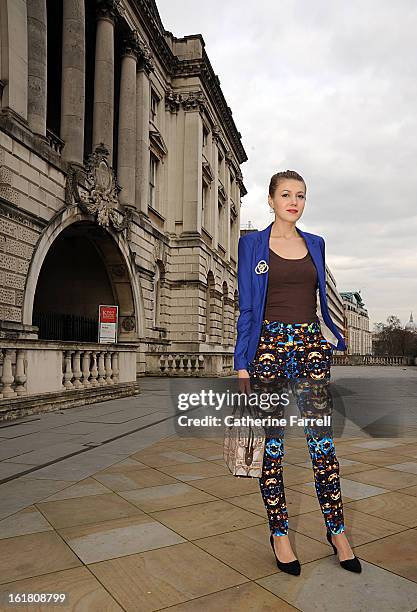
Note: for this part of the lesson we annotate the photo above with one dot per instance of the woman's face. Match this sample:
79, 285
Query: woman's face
289, 200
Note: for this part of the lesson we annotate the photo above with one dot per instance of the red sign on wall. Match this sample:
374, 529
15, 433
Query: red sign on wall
107, 323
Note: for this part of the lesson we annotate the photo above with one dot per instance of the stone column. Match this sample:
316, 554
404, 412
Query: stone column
229, 196
216, 186
73, 80
36, 24
193, 152
145, 65
104, 75
14, 56
126, 156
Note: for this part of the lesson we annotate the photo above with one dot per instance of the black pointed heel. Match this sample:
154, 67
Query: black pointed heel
293, 567
352, 565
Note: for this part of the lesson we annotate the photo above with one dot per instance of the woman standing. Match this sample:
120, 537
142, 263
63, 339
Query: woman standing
280, 343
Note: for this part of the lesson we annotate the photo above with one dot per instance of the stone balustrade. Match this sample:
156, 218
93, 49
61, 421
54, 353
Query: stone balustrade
13, 373
181, 364
54, 141
84, 369
374, 360
215, 363
29, 367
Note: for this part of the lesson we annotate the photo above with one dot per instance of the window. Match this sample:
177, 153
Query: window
209, 307
205, 136
224, 321
157, 297
205, 206
152, 180
221, 225
154, 106
235, 313
232, 187
220, 163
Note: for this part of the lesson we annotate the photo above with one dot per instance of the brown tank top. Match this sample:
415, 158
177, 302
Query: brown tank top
291, 294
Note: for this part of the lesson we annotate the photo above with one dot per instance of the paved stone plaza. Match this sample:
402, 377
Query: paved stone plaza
108, 504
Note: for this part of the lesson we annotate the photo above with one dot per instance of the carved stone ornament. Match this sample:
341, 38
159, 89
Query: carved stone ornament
128, 324
194, 100
109, 9
94, 188
134, 45
146, 56
172, 101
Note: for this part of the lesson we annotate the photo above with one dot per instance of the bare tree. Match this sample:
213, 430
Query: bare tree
392, 339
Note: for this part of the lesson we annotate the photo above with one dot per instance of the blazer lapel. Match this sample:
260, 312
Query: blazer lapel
261, 258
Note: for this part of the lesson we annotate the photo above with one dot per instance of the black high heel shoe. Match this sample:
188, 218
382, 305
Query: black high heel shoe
352, 565
293, 567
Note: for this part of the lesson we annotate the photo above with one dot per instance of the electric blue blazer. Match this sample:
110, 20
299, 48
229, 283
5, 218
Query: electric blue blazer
252, 273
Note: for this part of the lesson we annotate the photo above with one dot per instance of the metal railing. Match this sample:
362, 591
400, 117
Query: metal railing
65, 327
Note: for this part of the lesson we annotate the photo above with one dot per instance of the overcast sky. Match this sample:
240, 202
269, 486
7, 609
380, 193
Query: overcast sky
329, 89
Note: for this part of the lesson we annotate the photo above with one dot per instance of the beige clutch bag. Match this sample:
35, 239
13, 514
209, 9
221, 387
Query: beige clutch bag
243, 450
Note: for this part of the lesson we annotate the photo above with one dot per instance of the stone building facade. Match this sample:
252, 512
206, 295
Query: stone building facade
335, 304
358, 334
120, 184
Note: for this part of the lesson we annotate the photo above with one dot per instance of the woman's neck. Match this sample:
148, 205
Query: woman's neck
284, 229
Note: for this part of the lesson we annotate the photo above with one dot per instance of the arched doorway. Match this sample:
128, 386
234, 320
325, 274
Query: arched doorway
82, 269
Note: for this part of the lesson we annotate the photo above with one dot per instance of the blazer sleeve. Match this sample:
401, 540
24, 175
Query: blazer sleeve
323, 252
244, 322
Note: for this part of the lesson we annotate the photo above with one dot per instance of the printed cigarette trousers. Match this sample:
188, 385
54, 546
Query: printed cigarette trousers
297, 356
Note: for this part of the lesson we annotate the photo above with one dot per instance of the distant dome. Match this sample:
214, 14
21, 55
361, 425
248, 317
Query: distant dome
410, 325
